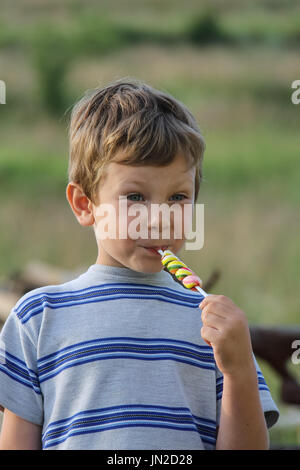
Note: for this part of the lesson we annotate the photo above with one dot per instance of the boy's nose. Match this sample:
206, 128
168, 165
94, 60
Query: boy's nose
159, 226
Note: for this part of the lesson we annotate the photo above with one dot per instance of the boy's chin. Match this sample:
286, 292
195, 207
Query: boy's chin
151, 271
149, 267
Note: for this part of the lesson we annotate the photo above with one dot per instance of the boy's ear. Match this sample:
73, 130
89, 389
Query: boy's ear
80, 204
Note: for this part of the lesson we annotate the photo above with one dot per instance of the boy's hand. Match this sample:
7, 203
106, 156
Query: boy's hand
225, 327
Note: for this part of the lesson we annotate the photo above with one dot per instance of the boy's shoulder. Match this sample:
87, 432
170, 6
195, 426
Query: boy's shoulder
35, 298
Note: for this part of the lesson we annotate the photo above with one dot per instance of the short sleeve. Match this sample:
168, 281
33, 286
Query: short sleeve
269, 407
19, 384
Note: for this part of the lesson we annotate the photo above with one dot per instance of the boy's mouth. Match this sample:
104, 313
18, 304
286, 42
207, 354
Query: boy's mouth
154, 249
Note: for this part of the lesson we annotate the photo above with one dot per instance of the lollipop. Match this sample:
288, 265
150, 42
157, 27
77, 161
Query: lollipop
184, 274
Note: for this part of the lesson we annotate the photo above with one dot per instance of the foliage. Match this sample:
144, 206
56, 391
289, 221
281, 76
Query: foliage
206, 29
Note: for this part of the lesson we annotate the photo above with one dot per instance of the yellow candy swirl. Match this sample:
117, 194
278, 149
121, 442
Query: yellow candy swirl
168, 256
183, 272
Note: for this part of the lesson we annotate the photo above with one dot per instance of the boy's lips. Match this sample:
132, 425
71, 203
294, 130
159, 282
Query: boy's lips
155, 248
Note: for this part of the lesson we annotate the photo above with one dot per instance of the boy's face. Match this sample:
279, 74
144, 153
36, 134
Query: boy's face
141, 187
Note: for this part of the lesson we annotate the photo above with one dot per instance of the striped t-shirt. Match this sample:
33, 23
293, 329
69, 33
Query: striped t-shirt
114, 359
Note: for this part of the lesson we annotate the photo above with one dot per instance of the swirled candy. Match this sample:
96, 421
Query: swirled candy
168, 257
190, 282
184, 274
181, 273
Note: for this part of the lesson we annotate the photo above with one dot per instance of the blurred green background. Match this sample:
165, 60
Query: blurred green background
232, 63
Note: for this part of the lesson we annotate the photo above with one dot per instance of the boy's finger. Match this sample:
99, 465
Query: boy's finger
212, 298
209, 334
213, 320
216, 308
205, 301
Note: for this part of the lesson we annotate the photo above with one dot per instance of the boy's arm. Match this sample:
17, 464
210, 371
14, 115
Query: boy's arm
242, 421
19, 434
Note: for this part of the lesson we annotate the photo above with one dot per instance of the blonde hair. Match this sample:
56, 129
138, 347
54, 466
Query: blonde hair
149, 125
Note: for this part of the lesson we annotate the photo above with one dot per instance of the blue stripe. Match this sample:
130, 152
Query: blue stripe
124, 357
62, 436
93, 352
116, 297
16, 359
16, 369
169, 421
19, 379
262, 385
20, 371
102, 287
202, 348
94, 421
153, 425
23, 365
117, 347
126, 350
185, 419
264, 388
130, 407
33, 308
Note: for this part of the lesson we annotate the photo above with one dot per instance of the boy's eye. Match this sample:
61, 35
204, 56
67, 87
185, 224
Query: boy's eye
181, 197
134, 197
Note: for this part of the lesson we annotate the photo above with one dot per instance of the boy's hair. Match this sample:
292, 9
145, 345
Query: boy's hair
150, 126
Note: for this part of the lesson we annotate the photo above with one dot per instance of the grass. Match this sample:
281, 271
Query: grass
25, 172
263, 160
90, 28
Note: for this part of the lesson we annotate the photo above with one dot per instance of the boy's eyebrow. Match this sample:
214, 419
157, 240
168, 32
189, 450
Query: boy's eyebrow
133, 182
143, 183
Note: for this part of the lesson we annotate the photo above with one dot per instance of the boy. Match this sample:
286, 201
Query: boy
121, 357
